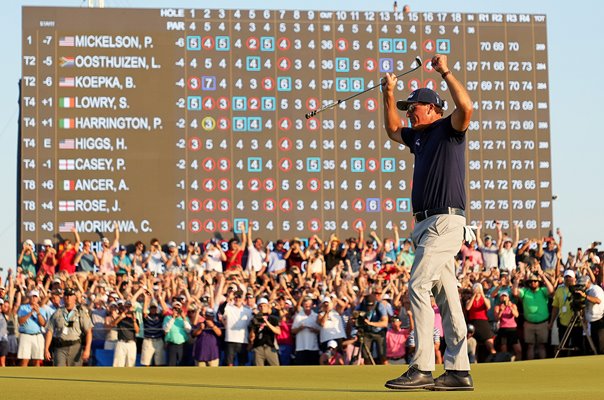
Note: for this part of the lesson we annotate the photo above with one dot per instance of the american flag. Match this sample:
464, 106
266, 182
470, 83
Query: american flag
67, 82
67, 144
66, 41
66, 226
66, 165
66, 205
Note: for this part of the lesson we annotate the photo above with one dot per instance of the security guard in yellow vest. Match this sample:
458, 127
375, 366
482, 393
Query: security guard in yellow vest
70, 333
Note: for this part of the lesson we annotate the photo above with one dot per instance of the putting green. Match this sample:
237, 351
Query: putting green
548, 379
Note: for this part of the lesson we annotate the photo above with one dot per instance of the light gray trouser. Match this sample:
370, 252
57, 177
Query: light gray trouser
68, 356
437, 240
268, 354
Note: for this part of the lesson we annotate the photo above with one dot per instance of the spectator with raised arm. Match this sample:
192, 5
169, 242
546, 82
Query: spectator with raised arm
108, 251
67, 256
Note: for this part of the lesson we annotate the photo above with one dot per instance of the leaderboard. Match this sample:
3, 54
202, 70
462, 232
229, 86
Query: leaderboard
183, 124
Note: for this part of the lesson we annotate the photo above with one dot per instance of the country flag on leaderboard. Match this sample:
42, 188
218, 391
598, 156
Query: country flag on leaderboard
66, 165
66, 205
67, 144
67, 41
67, 102
66, 61
66, 226
68, 185
67, 82
66, 123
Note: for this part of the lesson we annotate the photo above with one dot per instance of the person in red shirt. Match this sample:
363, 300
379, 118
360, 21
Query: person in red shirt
477, 308
68, 255
47, 259
234, 254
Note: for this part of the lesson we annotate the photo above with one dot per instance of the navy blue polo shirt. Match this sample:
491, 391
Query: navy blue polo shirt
440, 166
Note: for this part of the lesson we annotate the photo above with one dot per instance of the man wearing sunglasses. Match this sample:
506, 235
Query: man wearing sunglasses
439, 199
70, 333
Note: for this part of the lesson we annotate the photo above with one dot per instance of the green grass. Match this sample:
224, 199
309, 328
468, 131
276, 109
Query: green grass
549, 379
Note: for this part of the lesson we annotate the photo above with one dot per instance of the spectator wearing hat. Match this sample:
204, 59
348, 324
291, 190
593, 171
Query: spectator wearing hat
236, 319
87, 260
506, 313
108, 251
207, 333
472, 344
122, 263
507, 249
371, 255
27, 258
331, 356
174, 262
31, 321
536, 314
113, 314
488, 248
594, 311
264, 330
152, 350
562, 312
66, 258
334, 253
98, 314
376, 320
47, 258
276, 261
295, 256
331, 323
176, 327
70, 332
406, 255
396, 341
352, 253
155, 258
127, 328
315, 268
305, 328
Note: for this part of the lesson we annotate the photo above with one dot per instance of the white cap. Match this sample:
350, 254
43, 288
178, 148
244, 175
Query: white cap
596, 260
325, 299
33, 293
289, 303
171, 244
1, 301
105, 240
386, 296
176, 304
47, 242
262, 300
570, 273
30, 243
332, 344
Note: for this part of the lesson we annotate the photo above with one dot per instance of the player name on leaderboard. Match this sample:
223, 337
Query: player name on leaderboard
182, 123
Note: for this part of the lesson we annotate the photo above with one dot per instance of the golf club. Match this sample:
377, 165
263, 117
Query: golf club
334, 104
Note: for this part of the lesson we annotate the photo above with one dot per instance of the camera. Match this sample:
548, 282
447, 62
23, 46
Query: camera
577, 301
257, 320
596, 244
358, 318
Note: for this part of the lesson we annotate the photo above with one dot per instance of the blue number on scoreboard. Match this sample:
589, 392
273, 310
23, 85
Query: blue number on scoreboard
223, 43
342, 84
357, 164
386, 65
268, 104
194, 103
385, 45
342, 64
208, 83
253, 63
284, 84
373, 205
239, 124
239, 103
443, 46
267, 43
403, 204
254, 124
254, 164
399, 45
193, 43
313, 164
388, 165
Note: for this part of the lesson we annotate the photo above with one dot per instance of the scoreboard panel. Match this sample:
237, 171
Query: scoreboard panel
182, 123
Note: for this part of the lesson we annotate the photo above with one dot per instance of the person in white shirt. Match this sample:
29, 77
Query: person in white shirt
214, 256
332, 325
507, 249
306, 329
594, 311
155, 258
276, 260
257, 258
236, 320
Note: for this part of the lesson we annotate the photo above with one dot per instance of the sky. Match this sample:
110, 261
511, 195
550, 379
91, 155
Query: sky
575, 84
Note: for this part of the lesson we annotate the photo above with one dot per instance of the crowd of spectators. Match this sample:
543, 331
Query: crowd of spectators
245, 301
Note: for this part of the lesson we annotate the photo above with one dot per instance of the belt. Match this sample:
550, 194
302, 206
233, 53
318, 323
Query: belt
58, 342
396, 358
422, 215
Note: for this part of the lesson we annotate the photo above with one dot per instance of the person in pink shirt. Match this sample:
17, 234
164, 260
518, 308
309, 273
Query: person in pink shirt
396, 341
506, 313
105, 256
68, 254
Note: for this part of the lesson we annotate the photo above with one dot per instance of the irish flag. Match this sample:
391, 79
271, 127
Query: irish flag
66, 123
67, 102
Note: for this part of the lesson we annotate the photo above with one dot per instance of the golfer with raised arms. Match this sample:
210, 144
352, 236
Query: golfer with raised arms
439, 199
